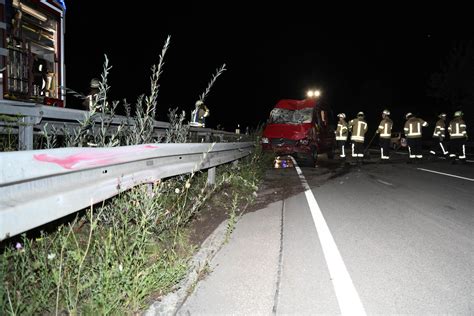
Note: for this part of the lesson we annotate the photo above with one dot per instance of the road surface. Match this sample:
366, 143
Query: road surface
377, 239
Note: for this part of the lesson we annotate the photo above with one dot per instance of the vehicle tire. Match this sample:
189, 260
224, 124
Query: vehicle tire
307, 160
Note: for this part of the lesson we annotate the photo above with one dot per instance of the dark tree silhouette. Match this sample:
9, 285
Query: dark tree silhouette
454, 84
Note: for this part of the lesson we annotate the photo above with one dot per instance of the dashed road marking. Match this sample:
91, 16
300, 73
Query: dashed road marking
383, 182
446, 174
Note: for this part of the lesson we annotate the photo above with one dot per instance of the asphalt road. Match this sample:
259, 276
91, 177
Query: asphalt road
377, 239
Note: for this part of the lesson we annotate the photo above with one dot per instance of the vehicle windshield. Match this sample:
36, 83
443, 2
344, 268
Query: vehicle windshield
285, 116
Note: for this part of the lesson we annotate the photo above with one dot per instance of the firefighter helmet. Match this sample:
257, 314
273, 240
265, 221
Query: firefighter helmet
386, 112
95, 83
408, 115
341, 115
442, 115
360, 113
199, 103
458, 114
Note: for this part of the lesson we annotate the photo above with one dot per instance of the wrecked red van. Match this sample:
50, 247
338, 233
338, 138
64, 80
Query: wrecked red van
302, 128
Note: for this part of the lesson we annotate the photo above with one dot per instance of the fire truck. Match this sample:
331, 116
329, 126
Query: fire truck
32, 51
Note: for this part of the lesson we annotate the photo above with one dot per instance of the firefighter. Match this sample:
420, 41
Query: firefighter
458, 136
439, 135
413, 132
91, 99
358, 128
198, 116
341, 134
40, 71
385, 133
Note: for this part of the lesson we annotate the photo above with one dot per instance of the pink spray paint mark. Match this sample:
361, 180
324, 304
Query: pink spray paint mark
90, 159
69, 162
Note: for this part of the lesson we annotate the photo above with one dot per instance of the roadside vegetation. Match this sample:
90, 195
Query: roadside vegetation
116, 256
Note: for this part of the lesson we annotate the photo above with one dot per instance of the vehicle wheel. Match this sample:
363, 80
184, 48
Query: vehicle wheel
307, 160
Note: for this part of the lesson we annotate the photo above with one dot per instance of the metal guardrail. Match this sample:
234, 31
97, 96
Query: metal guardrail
33, 118
37, 187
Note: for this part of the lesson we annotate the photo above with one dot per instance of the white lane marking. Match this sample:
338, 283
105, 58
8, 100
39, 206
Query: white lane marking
446, 174
470, 160
347, 296
383, 182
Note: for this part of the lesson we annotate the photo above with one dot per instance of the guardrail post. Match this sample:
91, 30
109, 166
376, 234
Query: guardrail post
149, 189
211, 176
25, 133
235, 164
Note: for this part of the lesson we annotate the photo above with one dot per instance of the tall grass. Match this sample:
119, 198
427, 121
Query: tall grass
178, 131
96, 264
111, 259
97, 130
219, 71
8, 139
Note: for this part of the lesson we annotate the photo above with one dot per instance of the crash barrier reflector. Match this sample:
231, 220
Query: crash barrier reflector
40, 186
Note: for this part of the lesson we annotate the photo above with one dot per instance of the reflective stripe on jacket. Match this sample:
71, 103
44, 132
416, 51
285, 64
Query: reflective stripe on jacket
457, 128
358, 127
440, 129
341, 131
385, 128
413, 127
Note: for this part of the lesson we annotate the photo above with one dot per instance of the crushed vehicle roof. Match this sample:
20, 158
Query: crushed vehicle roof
295, 104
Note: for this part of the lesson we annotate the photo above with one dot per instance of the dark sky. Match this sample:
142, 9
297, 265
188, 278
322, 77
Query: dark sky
268, 58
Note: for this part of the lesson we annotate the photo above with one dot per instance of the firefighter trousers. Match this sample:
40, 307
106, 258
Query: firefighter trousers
357, 149
439, 146
458, 148
414, 148
384, 148
341, 144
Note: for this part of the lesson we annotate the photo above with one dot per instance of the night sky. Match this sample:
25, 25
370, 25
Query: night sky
267, 59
